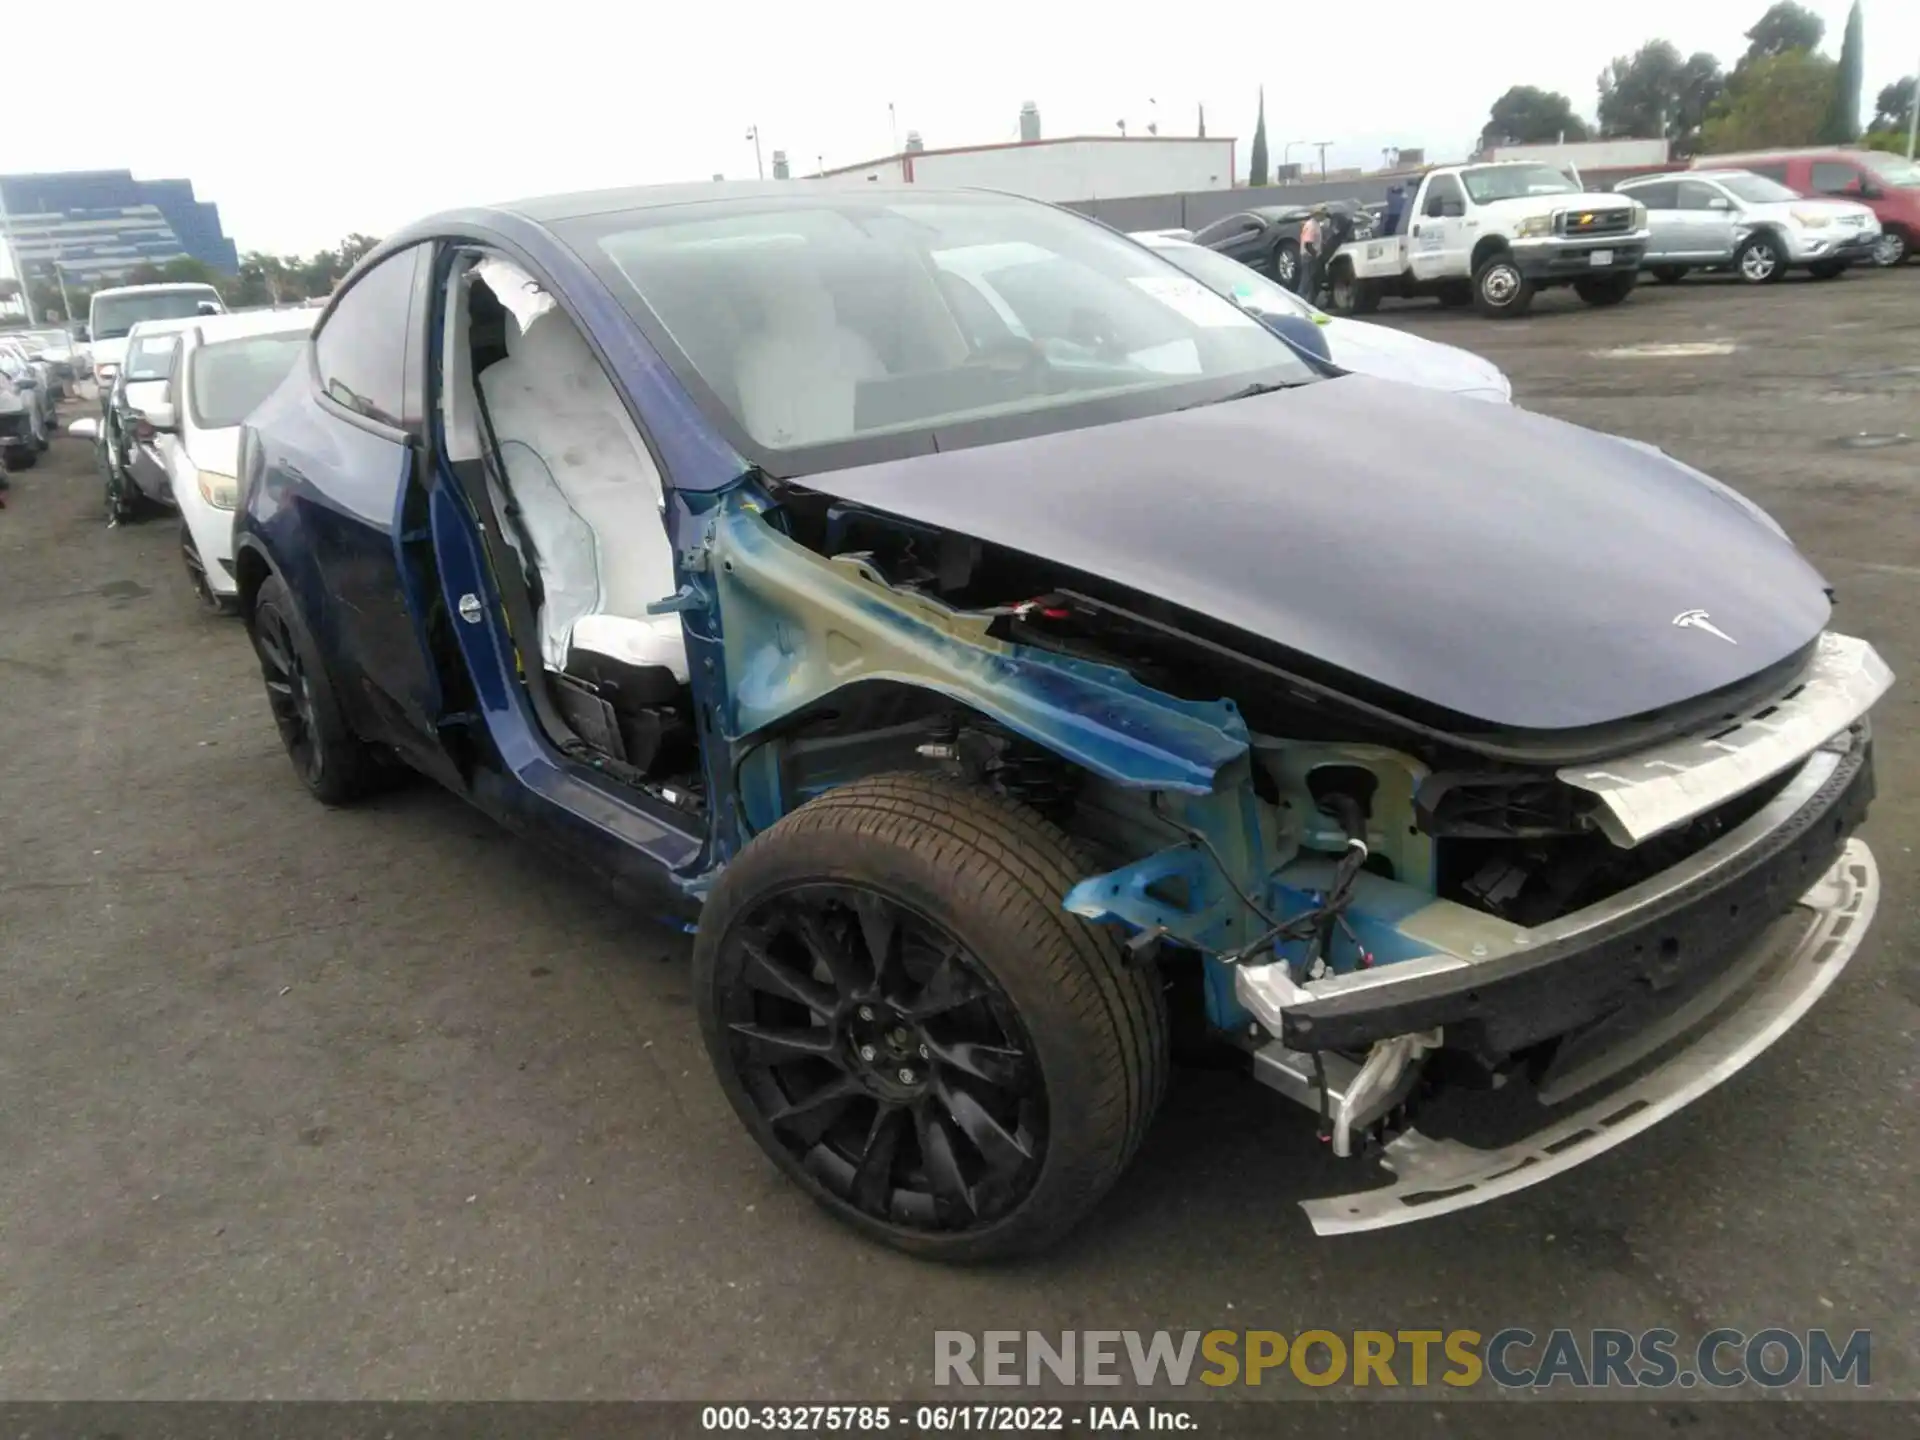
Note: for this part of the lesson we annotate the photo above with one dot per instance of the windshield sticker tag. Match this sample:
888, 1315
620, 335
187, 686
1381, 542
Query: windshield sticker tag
1194, 301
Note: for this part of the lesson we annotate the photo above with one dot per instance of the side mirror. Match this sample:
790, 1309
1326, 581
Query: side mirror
159, 415
82, 334
84, 429
1719, 202
1301, 334
1867, 190
207, 307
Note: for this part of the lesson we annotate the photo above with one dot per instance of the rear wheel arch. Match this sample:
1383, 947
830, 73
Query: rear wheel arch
251, 570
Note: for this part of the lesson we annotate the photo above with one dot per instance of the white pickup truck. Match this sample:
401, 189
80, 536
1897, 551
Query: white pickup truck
1490, 236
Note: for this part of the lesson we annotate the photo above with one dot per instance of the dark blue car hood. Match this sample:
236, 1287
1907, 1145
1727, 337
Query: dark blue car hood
1513, 569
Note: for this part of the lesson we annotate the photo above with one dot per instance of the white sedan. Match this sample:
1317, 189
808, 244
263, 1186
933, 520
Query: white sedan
226, 365
1354, 345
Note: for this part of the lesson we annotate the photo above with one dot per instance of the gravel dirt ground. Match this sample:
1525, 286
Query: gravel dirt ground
382, 1103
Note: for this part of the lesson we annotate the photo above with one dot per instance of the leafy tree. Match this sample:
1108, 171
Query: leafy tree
1777, 100
145, 273
1842, 125
1528, 115
1786, 26
1893, 110
1654, 93
353, 247
185, 270
1257, 164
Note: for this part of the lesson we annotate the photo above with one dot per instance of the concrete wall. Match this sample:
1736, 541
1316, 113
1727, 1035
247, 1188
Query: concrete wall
1090, 167
1190, 210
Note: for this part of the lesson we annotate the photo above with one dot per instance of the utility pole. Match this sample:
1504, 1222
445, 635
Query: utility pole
60, 274
893, 127
1322, 146
1913, 115
753, 134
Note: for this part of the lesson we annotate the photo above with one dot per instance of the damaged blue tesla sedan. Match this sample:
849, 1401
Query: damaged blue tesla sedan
1008, 654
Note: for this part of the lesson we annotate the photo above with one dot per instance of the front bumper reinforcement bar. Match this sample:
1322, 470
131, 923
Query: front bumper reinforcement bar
1754, 1002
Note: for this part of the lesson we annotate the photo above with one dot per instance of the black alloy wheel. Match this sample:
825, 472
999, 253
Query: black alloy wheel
886, 1059
332, 762
912, 1027
289, 693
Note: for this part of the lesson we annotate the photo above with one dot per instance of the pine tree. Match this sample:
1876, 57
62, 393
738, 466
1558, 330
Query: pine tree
1257, 170
1842, 125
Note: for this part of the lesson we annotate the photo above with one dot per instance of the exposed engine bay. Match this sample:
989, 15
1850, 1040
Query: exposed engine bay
1286, 844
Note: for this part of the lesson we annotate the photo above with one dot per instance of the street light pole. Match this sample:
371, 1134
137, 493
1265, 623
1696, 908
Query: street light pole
1321, 146
753, 134
1287, 150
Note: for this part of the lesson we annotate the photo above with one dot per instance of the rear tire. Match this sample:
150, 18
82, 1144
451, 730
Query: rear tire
1602, 290
1284, 266
1761, 261
335, 765
789, 966
1500, 291
1669, 274
1893, 248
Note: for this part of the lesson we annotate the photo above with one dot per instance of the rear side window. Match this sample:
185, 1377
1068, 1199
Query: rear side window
362, 349
1830, 178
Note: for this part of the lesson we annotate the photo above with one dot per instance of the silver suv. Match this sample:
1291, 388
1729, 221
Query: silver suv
1758, 228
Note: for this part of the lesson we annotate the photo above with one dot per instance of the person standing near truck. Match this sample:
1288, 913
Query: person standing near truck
1313, 236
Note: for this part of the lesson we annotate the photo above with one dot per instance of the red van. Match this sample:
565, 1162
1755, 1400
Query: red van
1889, 185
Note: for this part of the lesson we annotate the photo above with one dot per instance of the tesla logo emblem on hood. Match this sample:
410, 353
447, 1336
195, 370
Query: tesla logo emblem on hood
1697, 620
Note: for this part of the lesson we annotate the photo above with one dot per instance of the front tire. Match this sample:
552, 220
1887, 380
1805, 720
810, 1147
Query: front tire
1761, 261
335, 765
197, 576
1500, 291
1602, 290
913, 1029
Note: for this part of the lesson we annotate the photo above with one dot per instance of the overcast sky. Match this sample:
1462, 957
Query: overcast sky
306, 122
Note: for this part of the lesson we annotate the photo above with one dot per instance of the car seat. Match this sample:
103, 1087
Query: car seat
796, 374
588, 497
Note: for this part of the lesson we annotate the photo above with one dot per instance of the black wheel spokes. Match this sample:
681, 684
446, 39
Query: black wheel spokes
872, 1188
886, 1059
775, 977
286, 687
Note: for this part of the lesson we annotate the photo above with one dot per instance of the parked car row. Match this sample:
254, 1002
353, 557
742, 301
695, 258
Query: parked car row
169, 431
1493, 234
27, 400
1007, 644
1758, 228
